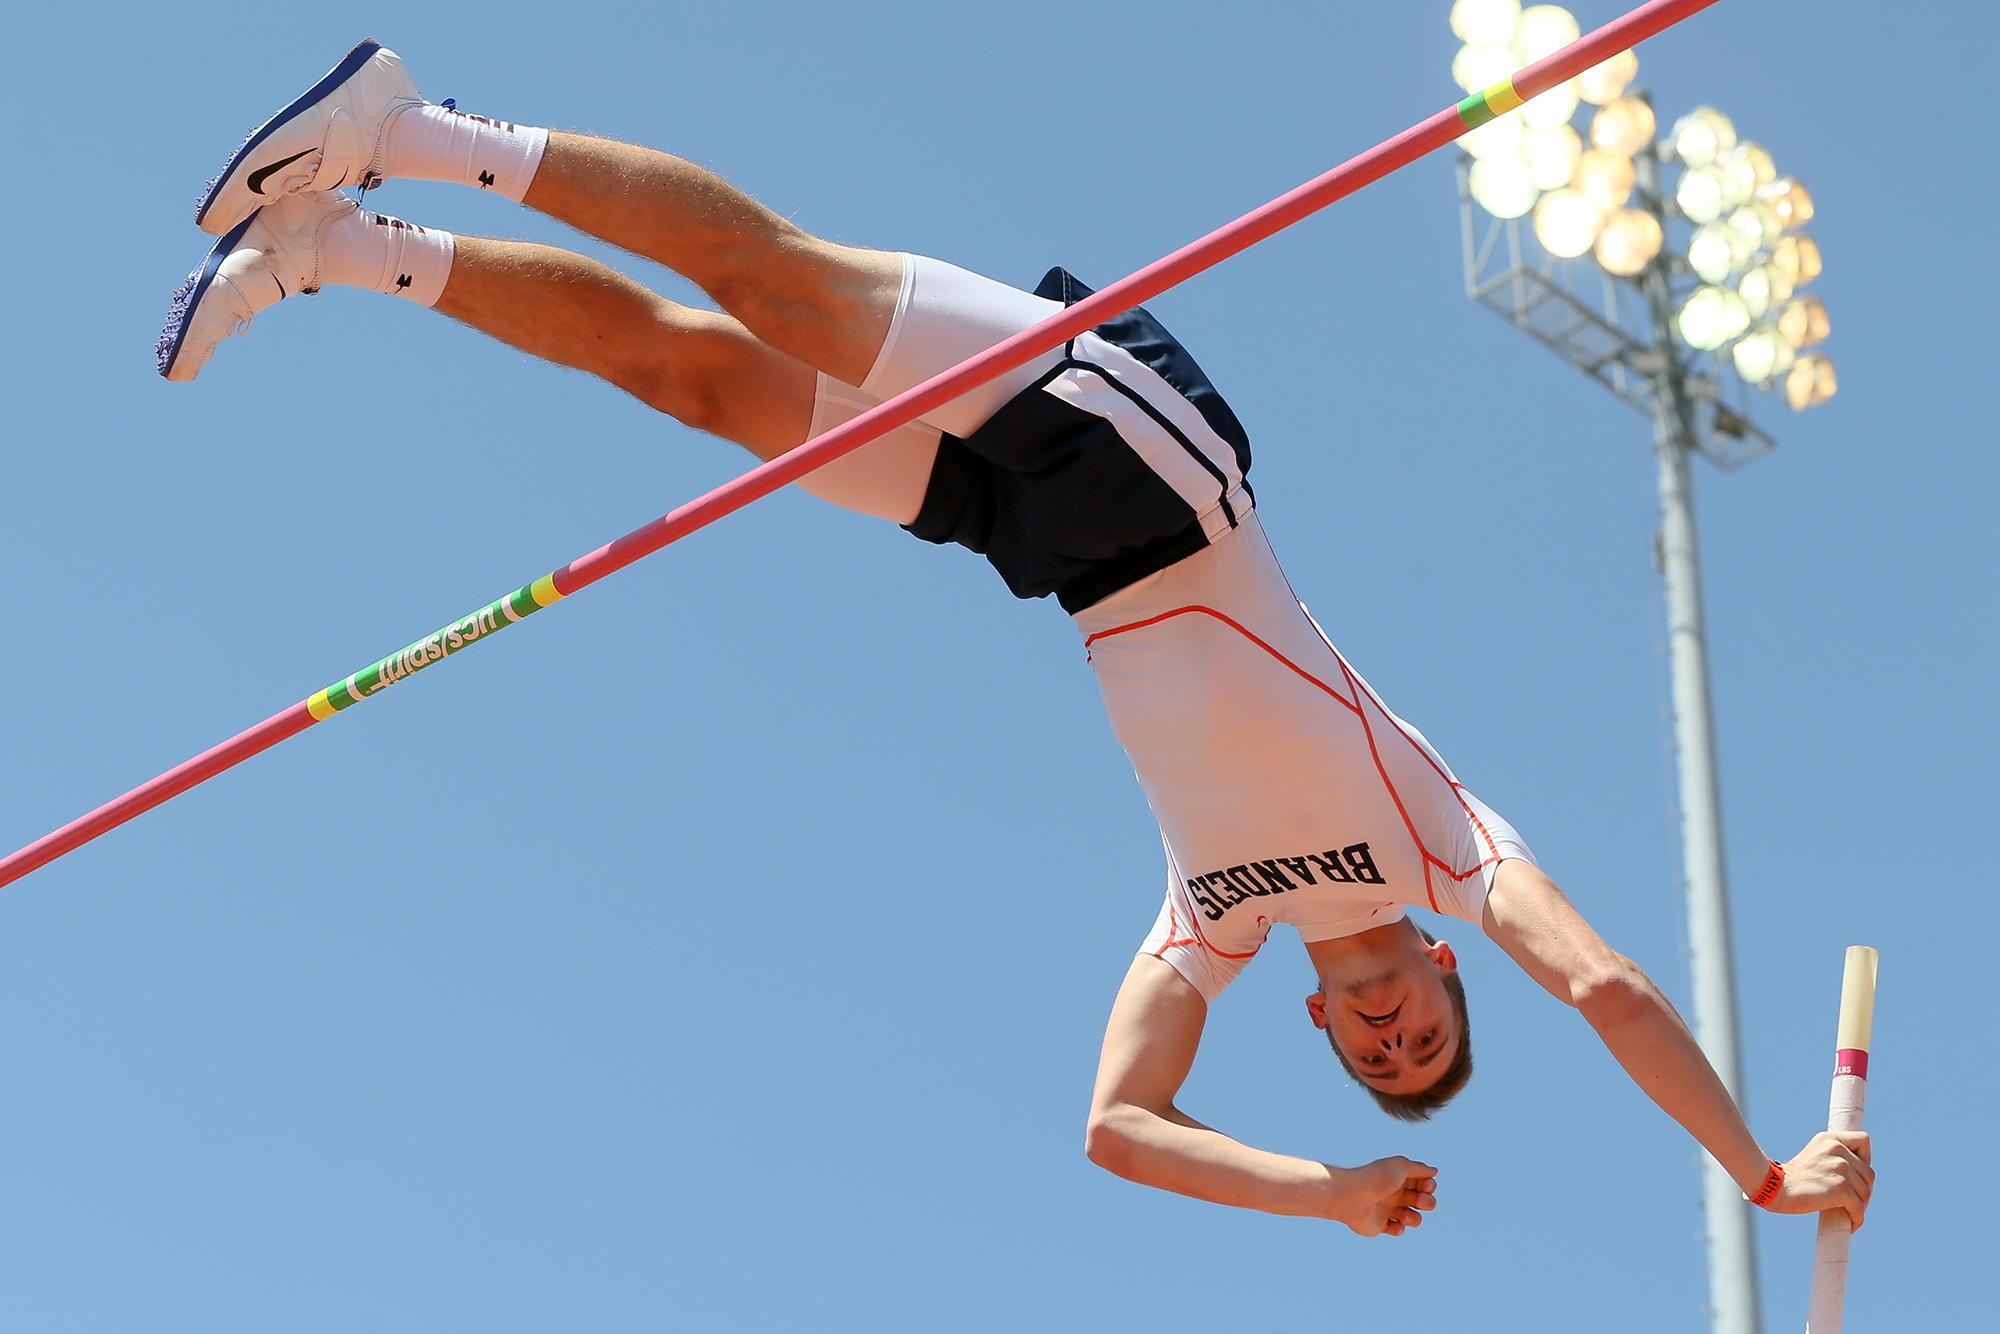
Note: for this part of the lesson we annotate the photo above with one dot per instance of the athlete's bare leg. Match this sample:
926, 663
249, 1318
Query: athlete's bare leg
828, 305
698, 366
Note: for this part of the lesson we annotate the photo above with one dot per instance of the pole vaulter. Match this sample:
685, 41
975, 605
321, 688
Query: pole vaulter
1085, 455
1391, 155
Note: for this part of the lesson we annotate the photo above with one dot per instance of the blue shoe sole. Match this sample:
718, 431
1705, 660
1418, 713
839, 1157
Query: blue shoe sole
353, 61
188, 297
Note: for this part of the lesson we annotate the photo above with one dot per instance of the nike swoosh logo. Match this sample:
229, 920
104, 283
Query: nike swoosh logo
262, 174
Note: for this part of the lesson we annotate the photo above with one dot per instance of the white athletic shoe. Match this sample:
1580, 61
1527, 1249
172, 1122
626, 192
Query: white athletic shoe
330, 136
272, 254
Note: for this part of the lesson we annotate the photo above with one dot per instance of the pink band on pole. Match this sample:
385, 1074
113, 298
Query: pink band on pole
1851, 1061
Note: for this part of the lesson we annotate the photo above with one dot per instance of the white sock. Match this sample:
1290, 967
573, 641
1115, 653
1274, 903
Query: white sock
385, 254
435, 143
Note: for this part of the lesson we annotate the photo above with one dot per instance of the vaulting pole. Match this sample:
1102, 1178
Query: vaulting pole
1850, 1093
1257, 225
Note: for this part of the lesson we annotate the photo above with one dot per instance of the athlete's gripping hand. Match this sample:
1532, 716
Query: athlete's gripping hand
1387, 1195
1832, 1172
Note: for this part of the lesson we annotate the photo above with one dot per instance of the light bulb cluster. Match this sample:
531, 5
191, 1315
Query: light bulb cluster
1747, 248
1752, 259
1533, 160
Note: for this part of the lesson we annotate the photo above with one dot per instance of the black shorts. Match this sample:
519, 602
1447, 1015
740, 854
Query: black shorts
1118, 460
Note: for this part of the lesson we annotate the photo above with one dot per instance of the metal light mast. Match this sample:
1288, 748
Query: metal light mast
1650, 322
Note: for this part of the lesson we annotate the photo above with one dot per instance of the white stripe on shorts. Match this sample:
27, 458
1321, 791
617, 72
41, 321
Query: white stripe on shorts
1169, 403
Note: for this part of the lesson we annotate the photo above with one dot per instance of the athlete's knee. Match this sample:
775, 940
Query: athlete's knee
682, 370
805, 284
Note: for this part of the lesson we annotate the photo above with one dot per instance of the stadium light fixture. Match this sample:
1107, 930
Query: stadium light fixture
1485, 22
1789, 201
1702, 194
1630, 239
1804, 322
1504, 186
1606, 82
1810, 382
1746, 247
1702, 136
1797, 259
1566, 223
1762, 355
1553, 154
1623, 126
1605, 178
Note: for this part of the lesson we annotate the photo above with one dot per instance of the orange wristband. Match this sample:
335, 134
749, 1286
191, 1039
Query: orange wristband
1774, 1181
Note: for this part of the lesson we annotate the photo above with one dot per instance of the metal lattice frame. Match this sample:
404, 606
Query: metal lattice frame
1602, 325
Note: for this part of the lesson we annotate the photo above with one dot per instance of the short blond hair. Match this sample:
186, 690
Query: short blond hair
1418, 1106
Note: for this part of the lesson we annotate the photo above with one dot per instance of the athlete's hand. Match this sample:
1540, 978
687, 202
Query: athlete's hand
1385, 1196
1831, 1172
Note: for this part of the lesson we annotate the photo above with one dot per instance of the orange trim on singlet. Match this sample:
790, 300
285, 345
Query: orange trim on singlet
1423, 853
1457, 788
1173, 923
1238, 628
1195, 927
1427, 858
1170, 942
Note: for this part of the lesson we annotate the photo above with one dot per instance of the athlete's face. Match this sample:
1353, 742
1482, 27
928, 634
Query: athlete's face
1395, 1025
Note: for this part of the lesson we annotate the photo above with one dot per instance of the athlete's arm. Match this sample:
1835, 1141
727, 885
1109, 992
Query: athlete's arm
1138, 1133
1532, 920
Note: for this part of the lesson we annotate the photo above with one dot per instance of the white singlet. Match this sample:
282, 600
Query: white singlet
1285, 789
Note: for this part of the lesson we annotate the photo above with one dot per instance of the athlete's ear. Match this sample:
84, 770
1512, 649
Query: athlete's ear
1316, 1007
1440, 954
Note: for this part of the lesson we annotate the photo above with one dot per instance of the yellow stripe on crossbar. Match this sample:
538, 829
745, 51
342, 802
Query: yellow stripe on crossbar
543, 591
320, 707
1501, 97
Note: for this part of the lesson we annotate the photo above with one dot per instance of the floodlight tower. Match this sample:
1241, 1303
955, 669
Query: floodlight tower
1651, 322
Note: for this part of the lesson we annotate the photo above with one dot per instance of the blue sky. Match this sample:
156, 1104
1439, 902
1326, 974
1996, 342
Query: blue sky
729, 947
